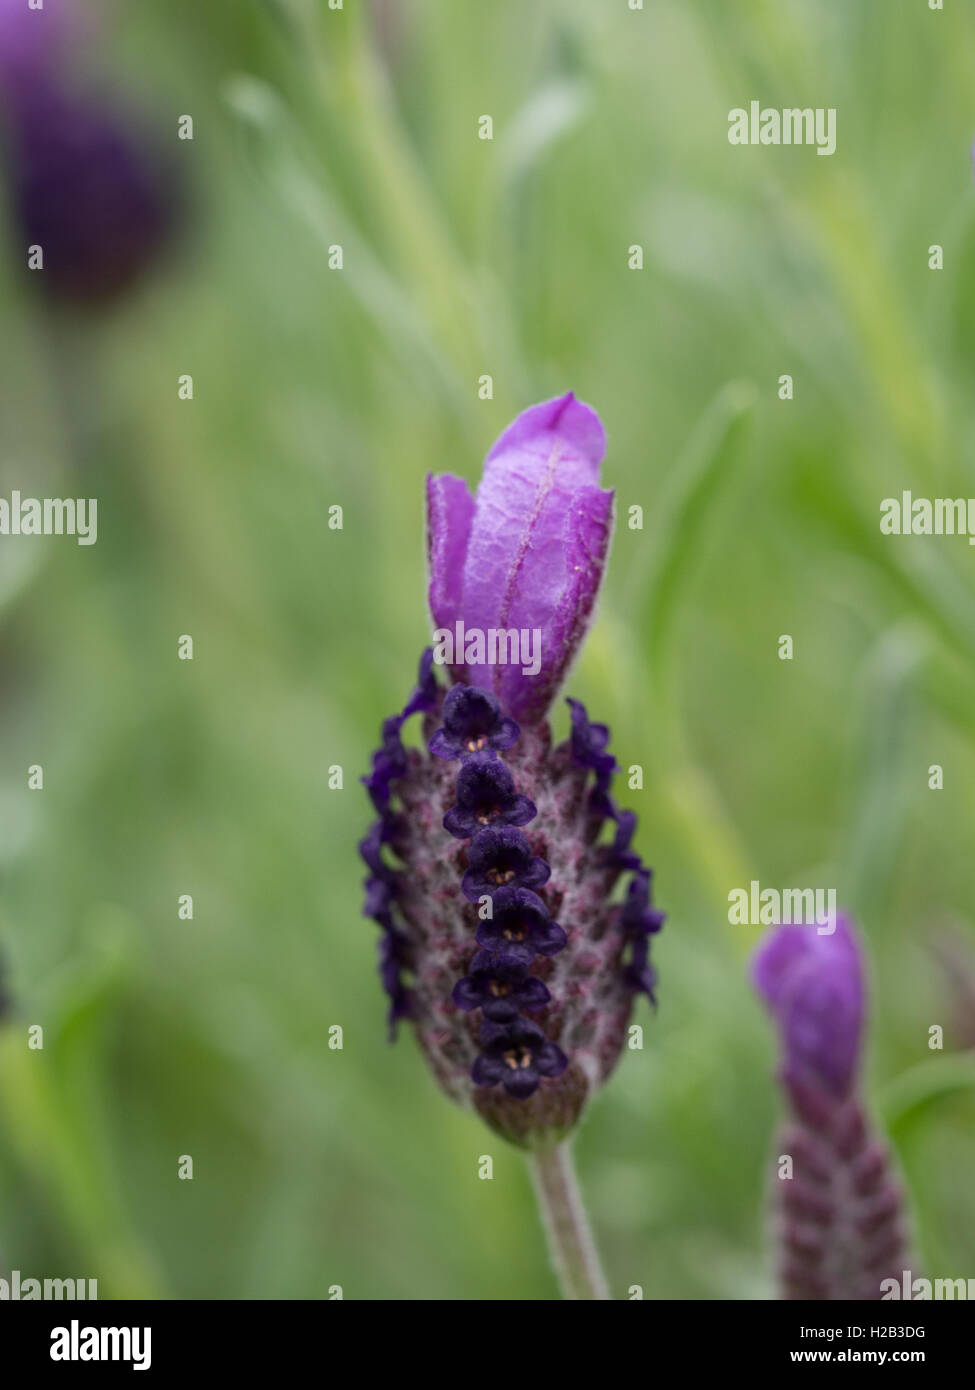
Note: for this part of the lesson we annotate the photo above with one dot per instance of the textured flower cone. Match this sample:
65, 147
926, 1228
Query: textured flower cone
493, 864
589, 1004
840, 1222
518, 1015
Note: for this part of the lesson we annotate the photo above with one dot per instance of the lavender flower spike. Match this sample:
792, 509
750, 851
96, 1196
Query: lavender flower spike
525, 555
494, 864
841, 1228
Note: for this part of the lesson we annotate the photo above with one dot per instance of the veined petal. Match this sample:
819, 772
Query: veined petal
536, 547
450, 511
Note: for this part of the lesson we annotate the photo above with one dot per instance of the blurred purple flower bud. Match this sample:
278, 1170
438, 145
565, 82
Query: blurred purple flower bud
813, 985
528, 552
86, 185
87, 190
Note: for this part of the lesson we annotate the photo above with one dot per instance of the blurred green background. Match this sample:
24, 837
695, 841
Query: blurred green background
314, 387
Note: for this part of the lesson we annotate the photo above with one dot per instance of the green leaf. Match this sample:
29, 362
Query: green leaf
687, 503
913, 1095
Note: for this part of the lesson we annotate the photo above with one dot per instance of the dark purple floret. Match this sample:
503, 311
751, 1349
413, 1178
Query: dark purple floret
472, 723
500, 988
619, 853
518, 1056
424, 697
520, 927
500, 857
639, 974
393, 958
383, 884
388, 762
380, 894
370, 850
589, 744
486, 795
638, 919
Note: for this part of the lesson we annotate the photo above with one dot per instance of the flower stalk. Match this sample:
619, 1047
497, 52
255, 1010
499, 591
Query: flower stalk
570, 1242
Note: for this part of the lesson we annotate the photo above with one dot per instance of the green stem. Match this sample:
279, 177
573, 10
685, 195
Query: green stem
570, 1241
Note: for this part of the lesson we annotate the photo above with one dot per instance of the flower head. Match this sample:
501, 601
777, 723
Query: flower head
528, 551
492, 830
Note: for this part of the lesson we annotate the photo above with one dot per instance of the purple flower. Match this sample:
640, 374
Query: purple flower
86, 190
486, 795
840, 1209
519, 927
528, 552
472, 723
813, 985
500, 987
499, 857
86, 185
517, 1056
